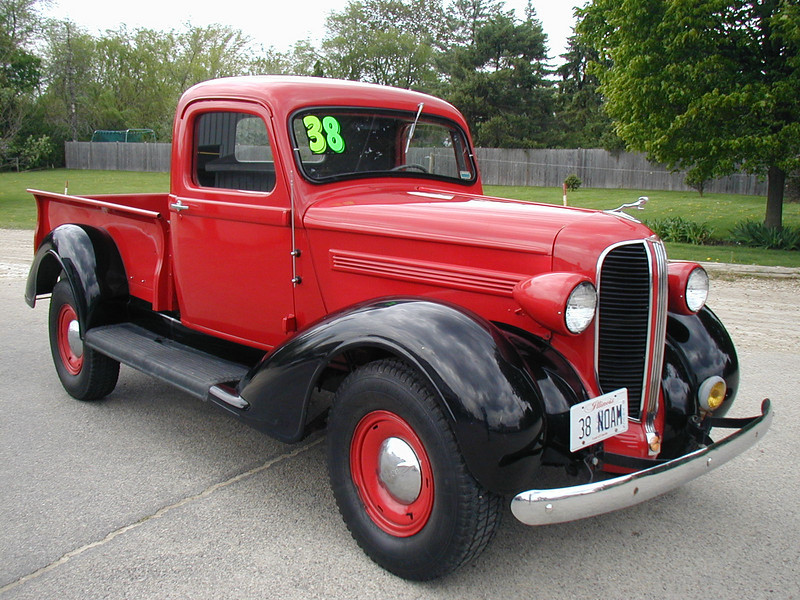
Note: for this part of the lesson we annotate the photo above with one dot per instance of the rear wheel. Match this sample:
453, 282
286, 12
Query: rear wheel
399, 479
85, 373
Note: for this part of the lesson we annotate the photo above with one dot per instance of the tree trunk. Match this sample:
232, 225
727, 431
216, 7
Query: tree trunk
776, 181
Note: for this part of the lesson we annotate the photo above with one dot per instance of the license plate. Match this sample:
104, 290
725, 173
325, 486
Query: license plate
598, 419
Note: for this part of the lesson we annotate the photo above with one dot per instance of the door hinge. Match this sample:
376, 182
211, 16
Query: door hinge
289, 324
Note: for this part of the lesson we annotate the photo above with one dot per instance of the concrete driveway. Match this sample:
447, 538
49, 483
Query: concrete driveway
152, 494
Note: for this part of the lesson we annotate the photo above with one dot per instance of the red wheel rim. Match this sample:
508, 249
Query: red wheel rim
71, 361
392, 516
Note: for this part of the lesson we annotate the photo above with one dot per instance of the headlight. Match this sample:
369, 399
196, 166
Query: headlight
697, 289
581, 306
562, 302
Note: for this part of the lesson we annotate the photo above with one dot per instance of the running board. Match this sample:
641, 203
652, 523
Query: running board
195, 372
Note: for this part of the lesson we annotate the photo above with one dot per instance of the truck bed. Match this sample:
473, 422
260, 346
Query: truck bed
138, 224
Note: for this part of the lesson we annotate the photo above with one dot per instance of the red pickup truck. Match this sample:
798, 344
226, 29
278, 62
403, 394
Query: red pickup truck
325, 257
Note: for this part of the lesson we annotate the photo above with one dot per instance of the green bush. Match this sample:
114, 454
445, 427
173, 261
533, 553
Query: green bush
696, 181
32, 153
758, 235
573, 182
678, 229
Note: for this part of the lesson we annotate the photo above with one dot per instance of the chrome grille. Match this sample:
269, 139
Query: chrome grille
624, 305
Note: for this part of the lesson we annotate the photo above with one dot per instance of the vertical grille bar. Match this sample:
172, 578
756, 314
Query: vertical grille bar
623, 323
659, 333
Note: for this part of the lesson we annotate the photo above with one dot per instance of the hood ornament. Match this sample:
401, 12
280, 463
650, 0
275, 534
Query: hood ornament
639, 204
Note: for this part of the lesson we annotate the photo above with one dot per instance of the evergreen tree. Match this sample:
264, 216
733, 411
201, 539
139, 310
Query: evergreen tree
499, 80
582, 120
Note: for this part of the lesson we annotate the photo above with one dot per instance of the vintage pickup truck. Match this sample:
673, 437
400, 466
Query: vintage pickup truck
325, 257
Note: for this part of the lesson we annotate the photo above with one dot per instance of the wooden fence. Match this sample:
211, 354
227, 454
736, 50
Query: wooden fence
118, 156
597, 169
499, 166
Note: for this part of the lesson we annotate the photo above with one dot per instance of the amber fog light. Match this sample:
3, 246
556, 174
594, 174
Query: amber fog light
712, 393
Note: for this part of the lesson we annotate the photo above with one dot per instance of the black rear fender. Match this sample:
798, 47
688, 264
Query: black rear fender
90, 261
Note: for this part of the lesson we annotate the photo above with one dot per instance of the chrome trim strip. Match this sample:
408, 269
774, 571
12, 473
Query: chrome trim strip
656, 340
544, 507
498, 283
230, 399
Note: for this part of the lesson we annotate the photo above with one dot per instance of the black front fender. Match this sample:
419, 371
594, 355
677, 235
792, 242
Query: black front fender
698, 347
91, 263
493, 404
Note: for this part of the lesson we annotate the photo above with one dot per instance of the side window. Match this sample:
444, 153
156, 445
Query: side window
232, 151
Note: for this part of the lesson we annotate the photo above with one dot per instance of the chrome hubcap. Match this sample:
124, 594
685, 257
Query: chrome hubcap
399, 470
74, 338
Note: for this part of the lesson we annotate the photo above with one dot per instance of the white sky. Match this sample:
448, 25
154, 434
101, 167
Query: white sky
279, 23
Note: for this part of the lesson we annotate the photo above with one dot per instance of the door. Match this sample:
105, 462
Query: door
230, 224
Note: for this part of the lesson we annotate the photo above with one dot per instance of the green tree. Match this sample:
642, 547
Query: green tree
69, 52
133, 78
465, 17
137, 75
582, 120
390, 42
270, 61
210, 52
711, 86
500, 79
20, 70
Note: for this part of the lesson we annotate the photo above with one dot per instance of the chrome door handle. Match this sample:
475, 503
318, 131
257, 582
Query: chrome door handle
178, 206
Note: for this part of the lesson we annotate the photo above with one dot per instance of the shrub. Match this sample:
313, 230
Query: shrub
35, 152
677, 229
696, 181
758, 235
573, 182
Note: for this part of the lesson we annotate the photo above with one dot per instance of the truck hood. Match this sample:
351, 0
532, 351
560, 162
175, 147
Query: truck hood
448, 217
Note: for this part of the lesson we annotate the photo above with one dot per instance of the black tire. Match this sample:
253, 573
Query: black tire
453, 518
85, 374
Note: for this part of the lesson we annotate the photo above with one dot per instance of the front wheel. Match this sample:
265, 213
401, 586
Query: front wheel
399, 479
85, 373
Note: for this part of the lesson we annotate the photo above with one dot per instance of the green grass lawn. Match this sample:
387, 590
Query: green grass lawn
719, 211
18, 209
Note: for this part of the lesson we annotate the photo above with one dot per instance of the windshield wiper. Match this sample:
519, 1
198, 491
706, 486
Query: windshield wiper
413, 126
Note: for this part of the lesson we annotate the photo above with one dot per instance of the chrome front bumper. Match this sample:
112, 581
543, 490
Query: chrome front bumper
542, 507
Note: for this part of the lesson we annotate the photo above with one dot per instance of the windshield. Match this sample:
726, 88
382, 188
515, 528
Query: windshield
336, 143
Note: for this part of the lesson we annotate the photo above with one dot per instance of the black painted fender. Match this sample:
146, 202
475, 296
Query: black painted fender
559, 384
494, 405
698, 347
90, 261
